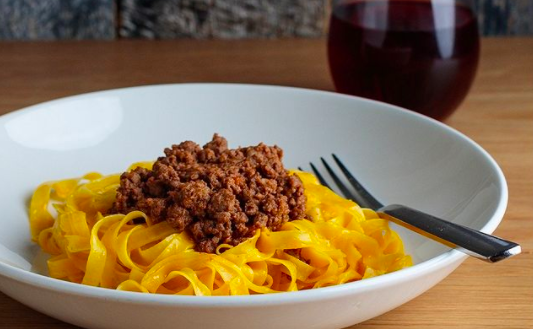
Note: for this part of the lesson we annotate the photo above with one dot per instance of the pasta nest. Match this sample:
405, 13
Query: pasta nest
338, 243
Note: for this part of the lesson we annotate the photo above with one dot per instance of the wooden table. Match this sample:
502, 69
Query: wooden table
498, 114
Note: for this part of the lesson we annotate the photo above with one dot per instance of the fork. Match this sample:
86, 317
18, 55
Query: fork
472, 242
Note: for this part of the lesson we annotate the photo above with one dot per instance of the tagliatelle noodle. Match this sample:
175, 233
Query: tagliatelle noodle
338, 243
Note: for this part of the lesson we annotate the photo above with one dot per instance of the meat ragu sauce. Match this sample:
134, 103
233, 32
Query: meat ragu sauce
218, 195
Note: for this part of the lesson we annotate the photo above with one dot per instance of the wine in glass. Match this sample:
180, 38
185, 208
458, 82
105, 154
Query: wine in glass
418, 54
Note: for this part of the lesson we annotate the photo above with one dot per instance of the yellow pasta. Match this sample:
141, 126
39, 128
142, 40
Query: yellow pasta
339, 243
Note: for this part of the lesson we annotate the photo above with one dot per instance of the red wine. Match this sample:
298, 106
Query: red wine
420, 55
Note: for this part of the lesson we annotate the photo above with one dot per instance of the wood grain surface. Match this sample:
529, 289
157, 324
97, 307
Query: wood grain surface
498, 114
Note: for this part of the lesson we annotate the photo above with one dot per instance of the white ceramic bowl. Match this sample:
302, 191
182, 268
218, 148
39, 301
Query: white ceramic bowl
400, 156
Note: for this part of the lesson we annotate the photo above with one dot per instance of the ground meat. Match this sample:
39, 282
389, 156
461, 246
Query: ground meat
218, 195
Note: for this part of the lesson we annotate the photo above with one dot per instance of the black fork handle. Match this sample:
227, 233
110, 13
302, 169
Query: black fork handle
474, 243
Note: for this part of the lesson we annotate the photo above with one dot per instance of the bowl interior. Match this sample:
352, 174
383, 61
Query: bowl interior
400, 156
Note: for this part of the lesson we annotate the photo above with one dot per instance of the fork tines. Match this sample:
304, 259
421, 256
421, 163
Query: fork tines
360, 195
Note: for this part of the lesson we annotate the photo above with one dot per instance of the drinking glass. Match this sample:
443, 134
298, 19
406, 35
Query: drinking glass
418, 54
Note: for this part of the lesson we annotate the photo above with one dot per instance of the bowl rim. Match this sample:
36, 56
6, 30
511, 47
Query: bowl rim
417, 270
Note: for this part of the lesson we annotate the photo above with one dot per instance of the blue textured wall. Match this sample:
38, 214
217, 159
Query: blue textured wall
57, 19
108, 19
505, 17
